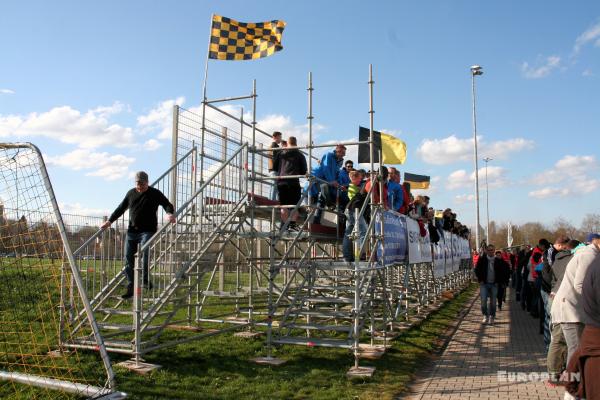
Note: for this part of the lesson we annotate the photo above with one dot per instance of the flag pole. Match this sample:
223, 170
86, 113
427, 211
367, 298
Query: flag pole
371, 112
212, 16
204, 101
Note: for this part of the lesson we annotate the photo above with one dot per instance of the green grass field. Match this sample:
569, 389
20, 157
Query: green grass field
219, 367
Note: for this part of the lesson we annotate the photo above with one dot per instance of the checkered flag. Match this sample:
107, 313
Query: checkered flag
233, 40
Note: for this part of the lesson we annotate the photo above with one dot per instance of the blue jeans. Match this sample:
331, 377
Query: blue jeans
131, 247
347, 245
488, 292
547, 317
273, 194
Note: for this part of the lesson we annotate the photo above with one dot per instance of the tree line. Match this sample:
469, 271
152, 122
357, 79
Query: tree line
531, 232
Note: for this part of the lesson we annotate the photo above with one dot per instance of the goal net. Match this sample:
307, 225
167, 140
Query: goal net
40, 288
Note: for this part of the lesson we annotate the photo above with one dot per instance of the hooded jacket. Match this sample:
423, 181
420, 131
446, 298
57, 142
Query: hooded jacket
558, 268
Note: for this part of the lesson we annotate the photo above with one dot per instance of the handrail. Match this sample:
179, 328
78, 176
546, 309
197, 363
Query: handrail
189, 201
248, 125
99, 231
174, 165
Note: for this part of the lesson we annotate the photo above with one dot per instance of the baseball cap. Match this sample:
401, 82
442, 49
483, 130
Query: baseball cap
141, 176
591, 236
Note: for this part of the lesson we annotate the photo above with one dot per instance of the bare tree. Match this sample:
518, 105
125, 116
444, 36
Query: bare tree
563, 227
590, 223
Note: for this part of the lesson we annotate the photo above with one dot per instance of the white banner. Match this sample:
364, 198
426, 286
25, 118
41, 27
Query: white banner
413, 234
466, 250
439, 258
456, 252
425, 247
447, 251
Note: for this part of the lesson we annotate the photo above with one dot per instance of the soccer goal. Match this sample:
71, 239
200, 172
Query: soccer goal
40, 286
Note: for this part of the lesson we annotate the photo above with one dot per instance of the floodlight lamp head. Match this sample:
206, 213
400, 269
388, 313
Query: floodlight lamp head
476, 70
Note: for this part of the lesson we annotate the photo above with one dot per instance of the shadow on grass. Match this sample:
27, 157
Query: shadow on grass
220, 368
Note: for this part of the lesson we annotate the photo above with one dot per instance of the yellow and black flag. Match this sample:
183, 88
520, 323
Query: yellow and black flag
233, 40
393, 150
417, 181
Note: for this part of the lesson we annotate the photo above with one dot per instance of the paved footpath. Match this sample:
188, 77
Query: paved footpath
470, 365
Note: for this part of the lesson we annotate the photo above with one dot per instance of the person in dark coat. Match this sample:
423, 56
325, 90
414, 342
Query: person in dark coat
502, 285
142, 202
490, 272
290, 162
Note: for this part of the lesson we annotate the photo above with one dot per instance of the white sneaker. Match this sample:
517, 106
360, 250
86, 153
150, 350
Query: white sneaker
484, 320
491, 320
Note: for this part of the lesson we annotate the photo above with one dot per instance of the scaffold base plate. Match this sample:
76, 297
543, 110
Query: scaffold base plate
388, 336
371, 352
184, 328
141, 368
247, 335
269, 361
360, 372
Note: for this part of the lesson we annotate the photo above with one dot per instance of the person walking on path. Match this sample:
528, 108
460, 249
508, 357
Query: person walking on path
557, 350
567, 308
586, 359
490, 272
142, 202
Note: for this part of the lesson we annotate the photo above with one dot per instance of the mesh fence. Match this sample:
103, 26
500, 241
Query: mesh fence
36, 283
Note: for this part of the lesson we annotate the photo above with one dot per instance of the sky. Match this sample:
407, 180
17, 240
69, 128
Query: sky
92, 84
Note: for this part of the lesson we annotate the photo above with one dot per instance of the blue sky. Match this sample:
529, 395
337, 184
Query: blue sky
92, 83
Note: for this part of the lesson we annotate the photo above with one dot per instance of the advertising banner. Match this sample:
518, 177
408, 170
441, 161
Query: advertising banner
425, 248
439, 258
414, 251
455, 253
395, 237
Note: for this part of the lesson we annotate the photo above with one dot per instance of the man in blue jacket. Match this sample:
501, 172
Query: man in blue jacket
324, 193
395, 191
344, 181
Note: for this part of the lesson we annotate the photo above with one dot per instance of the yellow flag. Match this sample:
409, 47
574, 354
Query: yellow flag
393, 149
233, 40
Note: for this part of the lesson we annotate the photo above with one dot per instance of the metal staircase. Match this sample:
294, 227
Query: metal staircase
183, 258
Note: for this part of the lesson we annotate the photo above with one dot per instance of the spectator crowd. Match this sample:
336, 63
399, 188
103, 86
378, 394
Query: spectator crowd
337, 186
559, 285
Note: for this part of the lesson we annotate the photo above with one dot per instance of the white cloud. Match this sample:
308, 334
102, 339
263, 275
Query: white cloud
7, 91
464, 198
576, 165
571, 168
574, 173
159, 119
584, 186
107, 166
549, 192
587, 72
496, 177
67, 125
78, 209
458, 179
543, 68
451, 149
590, 35
152, 144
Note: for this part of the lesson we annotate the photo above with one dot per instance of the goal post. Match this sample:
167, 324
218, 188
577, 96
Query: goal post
40, 286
